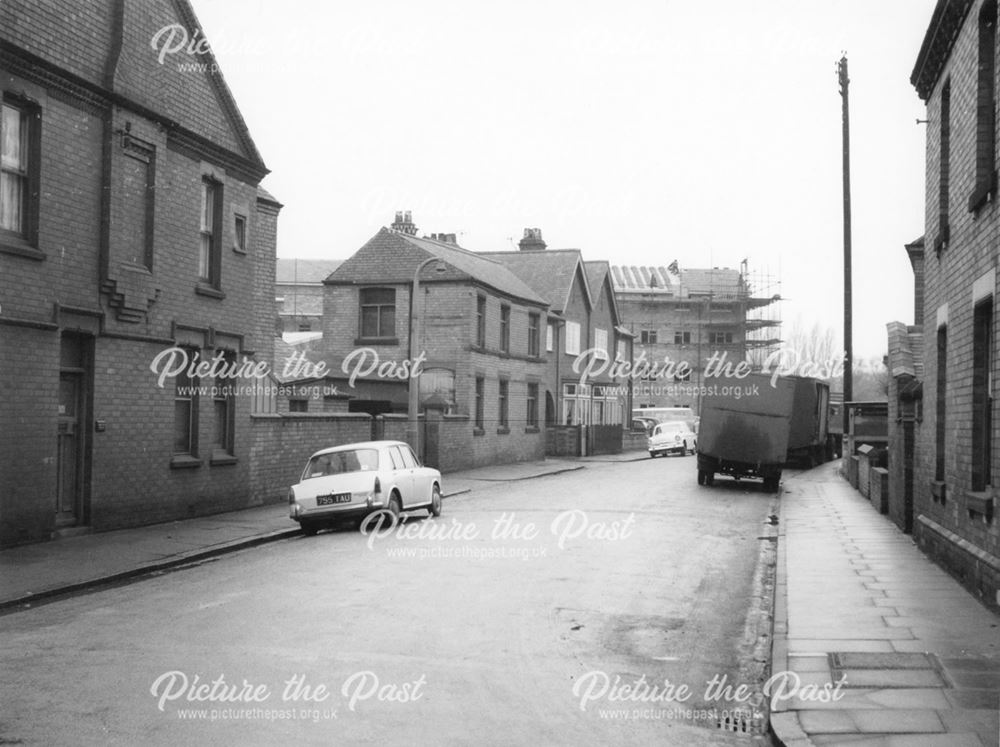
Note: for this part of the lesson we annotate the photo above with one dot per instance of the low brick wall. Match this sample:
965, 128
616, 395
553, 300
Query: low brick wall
281, 445
562, 440
878, 491
634, 441
864, 475
974, 567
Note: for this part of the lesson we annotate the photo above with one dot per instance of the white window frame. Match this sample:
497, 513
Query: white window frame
572, 338
601, 343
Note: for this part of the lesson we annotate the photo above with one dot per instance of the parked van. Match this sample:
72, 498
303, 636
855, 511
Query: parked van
667, 415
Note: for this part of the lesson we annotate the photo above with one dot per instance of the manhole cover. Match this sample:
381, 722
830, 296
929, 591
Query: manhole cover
871, 670
850, 660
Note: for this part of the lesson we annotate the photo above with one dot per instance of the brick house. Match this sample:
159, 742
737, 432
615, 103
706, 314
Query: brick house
956, 455
686, 316
905, 363
131, 222
583, 416
298, 292
482, 363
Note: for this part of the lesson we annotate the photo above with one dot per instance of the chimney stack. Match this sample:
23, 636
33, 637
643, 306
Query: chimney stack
404, 223
532, 241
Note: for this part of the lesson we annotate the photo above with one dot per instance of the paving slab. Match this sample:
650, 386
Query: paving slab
856, 598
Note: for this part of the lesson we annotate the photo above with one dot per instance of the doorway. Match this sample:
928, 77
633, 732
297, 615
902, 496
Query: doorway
75, 384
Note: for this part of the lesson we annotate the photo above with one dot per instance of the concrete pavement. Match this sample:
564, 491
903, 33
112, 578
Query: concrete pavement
917, 656
35, 572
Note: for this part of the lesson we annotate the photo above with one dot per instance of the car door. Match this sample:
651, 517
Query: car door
402, 476
421, 477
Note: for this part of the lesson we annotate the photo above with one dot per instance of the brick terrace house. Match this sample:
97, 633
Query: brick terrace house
298, 292
483, 373
905, 363
584, 417
131, 222
688, 315
954, 492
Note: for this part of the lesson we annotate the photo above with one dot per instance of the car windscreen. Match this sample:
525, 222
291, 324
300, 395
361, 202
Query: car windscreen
341, 462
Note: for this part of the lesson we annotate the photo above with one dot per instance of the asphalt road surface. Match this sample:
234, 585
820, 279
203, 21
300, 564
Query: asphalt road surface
590, 607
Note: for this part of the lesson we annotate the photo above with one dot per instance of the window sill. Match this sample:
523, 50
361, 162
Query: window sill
17, 246
237, 250
478, 432
184, 461
222, 458
983, 193
376, 341
209, 291
503, 431
532, 429
980, 502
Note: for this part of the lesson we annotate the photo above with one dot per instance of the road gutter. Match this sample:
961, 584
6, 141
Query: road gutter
758, 635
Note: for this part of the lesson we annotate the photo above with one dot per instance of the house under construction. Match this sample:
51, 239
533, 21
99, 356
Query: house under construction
695, 317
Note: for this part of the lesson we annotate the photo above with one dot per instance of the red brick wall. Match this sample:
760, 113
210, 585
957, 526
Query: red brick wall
449, 331
949, 277
85, 235
279, 447
28, 407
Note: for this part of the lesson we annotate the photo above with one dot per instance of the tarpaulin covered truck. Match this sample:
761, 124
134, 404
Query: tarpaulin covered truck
751, 426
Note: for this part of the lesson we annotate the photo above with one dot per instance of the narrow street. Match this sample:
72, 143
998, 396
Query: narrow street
506, 621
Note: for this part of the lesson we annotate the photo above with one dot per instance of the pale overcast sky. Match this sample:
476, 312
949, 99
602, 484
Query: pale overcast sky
639, 131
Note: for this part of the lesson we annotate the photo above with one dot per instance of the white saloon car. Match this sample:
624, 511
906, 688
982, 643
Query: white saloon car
675, 436
346, 483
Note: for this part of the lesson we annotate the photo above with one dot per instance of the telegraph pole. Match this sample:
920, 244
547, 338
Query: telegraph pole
848, 352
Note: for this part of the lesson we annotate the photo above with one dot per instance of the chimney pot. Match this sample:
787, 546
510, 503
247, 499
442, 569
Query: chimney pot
532, 241
404, 223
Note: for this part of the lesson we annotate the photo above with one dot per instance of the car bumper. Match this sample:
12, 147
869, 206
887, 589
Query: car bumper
345, 511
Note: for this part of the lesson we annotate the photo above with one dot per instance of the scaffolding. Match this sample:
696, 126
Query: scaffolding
763, 312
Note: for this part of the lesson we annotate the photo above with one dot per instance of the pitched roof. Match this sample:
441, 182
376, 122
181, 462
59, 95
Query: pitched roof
645, 279
597, 275
393, 257
721, 282
550, 272
304, 271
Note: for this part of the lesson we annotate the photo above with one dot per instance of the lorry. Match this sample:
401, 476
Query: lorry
754, 425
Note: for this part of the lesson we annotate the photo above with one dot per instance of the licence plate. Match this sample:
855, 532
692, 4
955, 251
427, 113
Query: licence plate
329, 500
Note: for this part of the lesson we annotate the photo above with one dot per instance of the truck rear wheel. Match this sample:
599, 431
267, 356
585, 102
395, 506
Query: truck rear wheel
705, 477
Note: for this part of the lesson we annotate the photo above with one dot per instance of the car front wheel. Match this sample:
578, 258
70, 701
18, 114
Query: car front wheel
435, 508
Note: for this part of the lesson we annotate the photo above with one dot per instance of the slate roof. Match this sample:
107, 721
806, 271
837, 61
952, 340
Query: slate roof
392, 257
550, 272
304, 271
